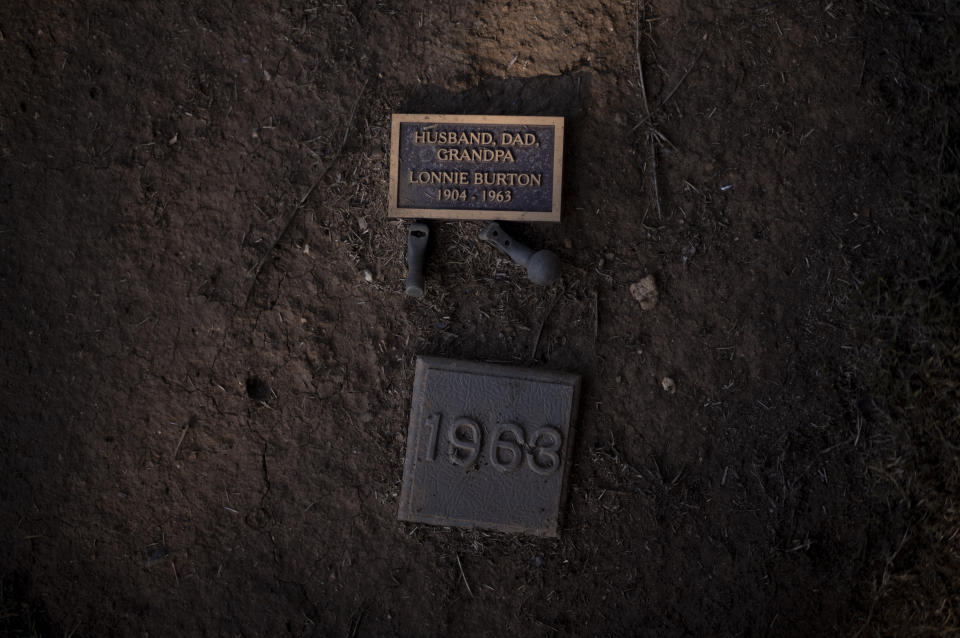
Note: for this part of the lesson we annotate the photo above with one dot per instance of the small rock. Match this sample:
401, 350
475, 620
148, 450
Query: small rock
367, 276
645, 291
669, 385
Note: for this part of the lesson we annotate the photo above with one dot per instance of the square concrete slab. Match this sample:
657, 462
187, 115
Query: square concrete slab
488, 446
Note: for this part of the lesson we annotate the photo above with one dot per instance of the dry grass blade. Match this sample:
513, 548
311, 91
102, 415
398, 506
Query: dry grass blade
176, 451
656, 182
464, 576
543, 322
652, 135
639, 60
649, 115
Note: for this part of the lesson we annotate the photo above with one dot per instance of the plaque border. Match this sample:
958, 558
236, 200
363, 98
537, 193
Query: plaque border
395, 211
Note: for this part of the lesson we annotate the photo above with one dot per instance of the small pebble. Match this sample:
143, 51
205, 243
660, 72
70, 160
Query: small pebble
668, 384
645, 291
367, 276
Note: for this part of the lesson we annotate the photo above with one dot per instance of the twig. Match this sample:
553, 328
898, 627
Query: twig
596, 316
543, 322
651, 137
636, 49
676, 86
353, 112
288, 222
356, 619
464, 576
883, 583
180, 442
656, 183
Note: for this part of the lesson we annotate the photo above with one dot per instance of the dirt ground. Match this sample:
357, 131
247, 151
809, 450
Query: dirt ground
204, 400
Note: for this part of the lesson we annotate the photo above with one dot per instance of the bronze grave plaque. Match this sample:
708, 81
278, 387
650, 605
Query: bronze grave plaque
488, 446
476, 167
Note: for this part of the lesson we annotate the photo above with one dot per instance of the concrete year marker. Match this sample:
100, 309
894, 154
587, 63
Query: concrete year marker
476, 167
488, 446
